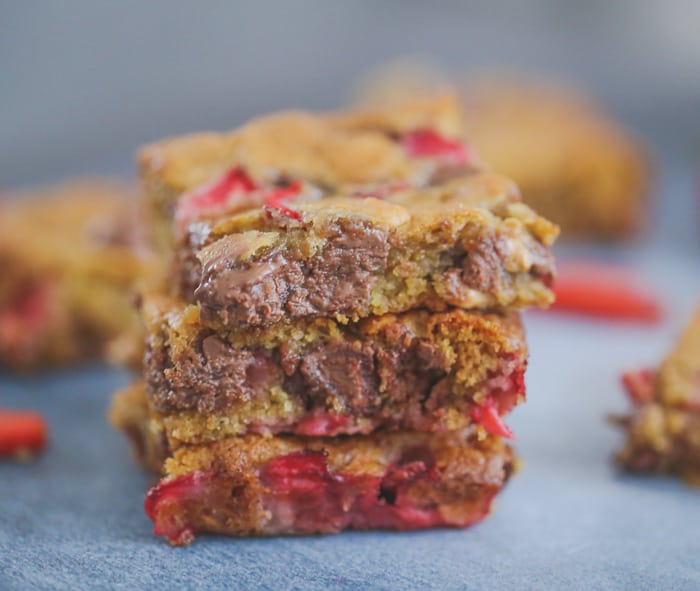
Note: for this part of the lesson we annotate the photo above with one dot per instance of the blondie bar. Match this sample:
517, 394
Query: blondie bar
71, 256
663, 430
255, 485
206, 175
418, 370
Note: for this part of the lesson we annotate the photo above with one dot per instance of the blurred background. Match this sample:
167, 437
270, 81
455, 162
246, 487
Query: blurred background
83, 83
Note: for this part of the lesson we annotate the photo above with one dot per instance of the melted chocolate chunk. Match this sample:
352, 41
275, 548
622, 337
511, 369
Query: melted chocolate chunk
342, 375
276, 287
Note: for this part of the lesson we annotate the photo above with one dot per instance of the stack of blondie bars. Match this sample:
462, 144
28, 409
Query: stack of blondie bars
340, 337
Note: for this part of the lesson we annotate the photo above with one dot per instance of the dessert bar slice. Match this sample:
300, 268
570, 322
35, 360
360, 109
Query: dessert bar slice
70, 257
468, 242
256, 485
573, 162
417, 370
205, 175
663, 430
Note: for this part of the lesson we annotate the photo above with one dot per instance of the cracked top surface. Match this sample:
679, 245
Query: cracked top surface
352, 147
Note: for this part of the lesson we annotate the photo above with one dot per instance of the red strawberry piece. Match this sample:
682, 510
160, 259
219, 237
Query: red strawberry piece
217, 195
639, 385
165, 504
606, 291
21, 432
275, 199
398, 477
25, 319
487, 416
30, 308
304, 471
506, 390
427, 143
322, 424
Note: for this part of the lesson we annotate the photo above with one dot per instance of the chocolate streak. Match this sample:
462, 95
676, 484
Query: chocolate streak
283, 286
279, 286
396, 380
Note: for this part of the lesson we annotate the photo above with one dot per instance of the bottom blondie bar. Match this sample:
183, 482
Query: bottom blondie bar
255, 485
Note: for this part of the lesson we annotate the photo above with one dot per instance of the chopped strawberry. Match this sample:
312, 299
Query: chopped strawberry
486, 415
25, 320
166, 504
32, 307
427, 143
29, 309
218, 195
275, 198
327, 502
397, 477
507, 389
21, 432
323, 424
639, 385
603, 290
301, 472
381, 191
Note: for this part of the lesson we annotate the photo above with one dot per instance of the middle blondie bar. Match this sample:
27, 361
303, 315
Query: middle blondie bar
418, 370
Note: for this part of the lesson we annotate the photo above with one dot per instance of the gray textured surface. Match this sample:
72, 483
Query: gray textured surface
73, 520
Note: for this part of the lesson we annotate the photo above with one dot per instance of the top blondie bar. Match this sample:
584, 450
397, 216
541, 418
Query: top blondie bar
344, 216
199, 176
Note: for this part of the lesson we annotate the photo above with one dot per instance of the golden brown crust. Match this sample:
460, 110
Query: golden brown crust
368, 454
131, 413
441, 112
663, 440
333, 150
91, 226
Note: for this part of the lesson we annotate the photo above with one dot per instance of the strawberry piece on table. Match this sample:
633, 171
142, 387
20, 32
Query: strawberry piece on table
21, 432
603, 290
